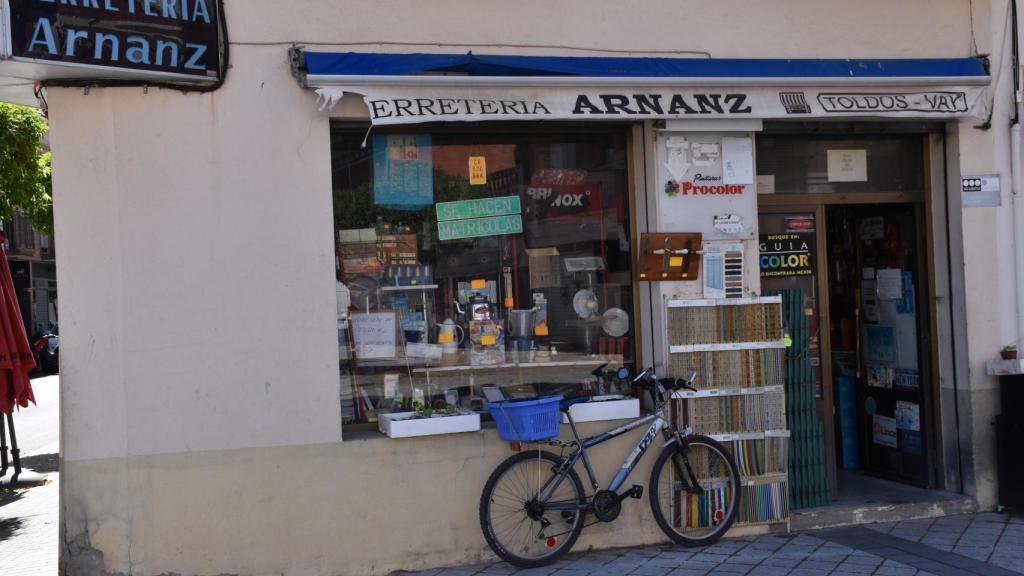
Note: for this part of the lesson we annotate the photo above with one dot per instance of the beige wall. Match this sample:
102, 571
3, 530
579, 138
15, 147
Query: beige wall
201, 425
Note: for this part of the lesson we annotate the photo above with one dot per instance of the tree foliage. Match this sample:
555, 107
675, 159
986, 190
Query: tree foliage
25, 167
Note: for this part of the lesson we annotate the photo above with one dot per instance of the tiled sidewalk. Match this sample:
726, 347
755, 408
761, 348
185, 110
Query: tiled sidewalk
28, 530
978, 544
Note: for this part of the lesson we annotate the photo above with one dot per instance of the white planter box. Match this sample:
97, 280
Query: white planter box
399, 425
606, 410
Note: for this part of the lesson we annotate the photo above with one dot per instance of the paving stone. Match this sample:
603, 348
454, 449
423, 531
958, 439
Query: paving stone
818, 564
651, 570
688, 572
862, 559
895, 571
543, 571
847, 568
769, 571
808, 572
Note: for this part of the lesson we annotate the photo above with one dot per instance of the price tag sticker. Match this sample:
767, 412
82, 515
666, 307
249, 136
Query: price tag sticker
541, 330
675, 261
488, 339
444, 338
478, 284
477, 170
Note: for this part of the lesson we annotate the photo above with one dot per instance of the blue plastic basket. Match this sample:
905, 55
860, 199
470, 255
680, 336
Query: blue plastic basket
527, 420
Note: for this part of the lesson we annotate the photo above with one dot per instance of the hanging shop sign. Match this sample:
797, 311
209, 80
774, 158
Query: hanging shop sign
162, 39
479, 217
478, 208
789, 254
477, 227
413, 104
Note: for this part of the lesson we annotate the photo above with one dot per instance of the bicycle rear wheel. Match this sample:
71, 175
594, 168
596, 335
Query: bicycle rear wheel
695, 491
513, 519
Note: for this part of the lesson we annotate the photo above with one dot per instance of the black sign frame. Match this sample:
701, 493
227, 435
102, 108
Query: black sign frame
166, 40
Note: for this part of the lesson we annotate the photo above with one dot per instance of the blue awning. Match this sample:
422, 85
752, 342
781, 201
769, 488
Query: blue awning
377, 64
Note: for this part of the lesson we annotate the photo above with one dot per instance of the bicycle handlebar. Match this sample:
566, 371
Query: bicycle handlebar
670, 383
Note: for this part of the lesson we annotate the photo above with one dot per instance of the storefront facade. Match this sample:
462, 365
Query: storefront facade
280, 258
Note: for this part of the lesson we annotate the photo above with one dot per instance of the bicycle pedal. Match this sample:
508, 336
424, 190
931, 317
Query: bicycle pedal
637, 491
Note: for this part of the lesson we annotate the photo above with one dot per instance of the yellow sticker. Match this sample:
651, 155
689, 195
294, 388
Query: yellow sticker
675, 261
488, 339
477, 170
509, 302
541, 330
445, 338
478, 284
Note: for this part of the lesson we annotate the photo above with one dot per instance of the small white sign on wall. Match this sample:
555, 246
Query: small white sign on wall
981, 191
847, 165
738, 160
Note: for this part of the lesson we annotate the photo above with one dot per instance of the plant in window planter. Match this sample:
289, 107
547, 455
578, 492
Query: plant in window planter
1009, 352
426, 421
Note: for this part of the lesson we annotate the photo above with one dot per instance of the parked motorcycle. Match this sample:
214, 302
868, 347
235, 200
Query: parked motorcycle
46, 350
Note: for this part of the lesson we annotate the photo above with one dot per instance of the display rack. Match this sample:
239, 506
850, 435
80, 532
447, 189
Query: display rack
737, 348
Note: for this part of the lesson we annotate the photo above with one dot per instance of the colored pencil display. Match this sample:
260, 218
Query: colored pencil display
741, 393
731, 368
722, 324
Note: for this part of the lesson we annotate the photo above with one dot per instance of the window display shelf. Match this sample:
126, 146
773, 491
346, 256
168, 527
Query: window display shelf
527, 365
760, 479
712, 392
411, 288
679, 303
717, 347
749, 435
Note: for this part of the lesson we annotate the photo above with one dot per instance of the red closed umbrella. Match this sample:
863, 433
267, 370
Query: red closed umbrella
16, 359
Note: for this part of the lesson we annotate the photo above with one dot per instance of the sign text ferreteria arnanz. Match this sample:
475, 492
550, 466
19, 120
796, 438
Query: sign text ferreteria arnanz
179, 37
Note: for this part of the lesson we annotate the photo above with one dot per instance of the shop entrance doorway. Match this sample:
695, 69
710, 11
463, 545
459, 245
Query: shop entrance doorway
860, 410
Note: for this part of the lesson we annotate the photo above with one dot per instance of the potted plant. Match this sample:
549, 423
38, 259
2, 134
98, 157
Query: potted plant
1009, 352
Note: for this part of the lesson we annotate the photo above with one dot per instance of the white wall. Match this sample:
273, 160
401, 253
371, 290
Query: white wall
196, 266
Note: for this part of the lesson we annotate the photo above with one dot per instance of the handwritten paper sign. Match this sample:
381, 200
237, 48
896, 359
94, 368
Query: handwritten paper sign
374, 334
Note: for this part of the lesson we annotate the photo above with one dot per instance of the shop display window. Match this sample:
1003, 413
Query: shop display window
470, 259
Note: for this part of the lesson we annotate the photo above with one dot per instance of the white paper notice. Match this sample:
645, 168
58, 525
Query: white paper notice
374, 334
847, 165
766, 183
890, 284
737, 161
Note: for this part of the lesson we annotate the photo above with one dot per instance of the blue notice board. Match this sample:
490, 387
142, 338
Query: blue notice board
403, 171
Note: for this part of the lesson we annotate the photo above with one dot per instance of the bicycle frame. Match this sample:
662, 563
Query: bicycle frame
658, 424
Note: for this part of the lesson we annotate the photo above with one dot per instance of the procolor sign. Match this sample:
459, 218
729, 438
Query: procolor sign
166, 38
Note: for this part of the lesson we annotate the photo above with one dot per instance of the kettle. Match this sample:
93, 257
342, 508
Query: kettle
450, 336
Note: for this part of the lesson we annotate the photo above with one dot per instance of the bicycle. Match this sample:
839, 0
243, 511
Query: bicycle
533, 506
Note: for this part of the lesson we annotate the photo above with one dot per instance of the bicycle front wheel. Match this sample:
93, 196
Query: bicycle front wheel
513, 514
695, 491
